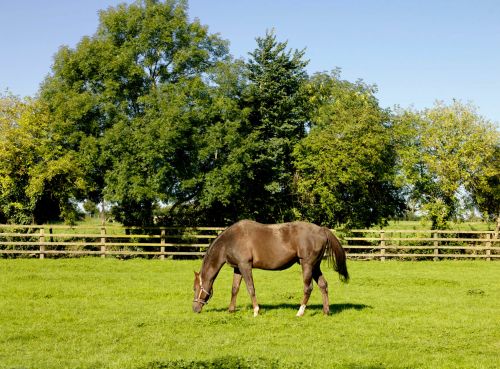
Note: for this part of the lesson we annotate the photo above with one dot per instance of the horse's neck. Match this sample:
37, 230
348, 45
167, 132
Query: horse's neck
212, 263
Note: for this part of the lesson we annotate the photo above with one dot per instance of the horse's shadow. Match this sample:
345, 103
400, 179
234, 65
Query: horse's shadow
334, 308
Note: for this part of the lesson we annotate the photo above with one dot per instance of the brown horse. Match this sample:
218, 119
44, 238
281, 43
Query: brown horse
248, 244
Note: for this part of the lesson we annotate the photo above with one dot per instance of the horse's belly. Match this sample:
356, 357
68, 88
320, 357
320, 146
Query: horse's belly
272, 261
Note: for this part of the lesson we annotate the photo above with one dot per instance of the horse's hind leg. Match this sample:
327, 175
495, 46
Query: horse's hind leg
323, 286
235, 289
308, 287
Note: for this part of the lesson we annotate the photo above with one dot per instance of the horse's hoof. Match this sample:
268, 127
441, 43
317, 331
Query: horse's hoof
301, 310
255, 311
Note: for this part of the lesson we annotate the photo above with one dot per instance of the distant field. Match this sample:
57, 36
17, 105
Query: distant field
418, 225
403, 225
94, 313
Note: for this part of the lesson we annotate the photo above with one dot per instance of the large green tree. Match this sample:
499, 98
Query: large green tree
277, 115
448, 154
122, 101
345, 167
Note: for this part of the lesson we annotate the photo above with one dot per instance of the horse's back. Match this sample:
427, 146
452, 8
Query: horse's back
274, 246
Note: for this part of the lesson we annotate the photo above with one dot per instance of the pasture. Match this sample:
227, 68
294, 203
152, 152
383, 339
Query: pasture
108, 313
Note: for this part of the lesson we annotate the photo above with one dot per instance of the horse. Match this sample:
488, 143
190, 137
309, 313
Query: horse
248, 244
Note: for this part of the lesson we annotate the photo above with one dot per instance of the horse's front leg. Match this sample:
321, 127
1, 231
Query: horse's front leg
234, 290
246, 272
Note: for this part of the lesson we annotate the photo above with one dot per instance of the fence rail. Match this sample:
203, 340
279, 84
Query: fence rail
422, 244
161, 242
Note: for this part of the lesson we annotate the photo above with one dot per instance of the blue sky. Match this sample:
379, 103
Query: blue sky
416, 52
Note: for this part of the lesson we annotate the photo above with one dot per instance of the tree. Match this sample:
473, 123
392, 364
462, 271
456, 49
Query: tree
485, 189
90, 208
215, 193
154, 158
39, 180
447, 153
345, 167
106, 95
277, 114
16, 157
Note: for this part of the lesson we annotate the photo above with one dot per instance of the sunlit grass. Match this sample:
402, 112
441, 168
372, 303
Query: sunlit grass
393, 225
94, 313
425, 225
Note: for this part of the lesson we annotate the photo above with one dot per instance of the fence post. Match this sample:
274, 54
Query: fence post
103, 242
488, 246
41, 239
162, 243
382, 245
436, 246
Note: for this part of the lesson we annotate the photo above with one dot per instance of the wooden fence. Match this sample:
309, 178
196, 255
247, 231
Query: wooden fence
161, 242
422, 244
119, 241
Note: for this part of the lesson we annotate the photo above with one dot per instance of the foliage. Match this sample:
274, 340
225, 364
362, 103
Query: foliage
152, 115
447, 153
257, 112
485, 188
412, 315
126, 99
90, 208
39, 179
16, 154
346, 165
278, 108
208, 179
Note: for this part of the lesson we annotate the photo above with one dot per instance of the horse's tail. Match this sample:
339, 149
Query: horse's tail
336, 255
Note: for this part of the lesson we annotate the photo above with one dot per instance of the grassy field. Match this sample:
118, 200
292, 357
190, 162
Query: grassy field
393, 225
94, 313
423, 225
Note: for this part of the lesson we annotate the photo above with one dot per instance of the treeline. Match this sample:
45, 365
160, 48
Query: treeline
152, 116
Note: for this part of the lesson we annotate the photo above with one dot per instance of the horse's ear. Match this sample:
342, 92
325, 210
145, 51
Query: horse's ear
196, 274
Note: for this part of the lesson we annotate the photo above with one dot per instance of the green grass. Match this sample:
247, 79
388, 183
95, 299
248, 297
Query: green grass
425, 225
94, 313
393, 225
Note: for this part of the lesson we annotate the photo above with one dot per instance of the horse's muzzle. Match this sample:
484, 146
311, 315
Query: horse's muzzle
197, 307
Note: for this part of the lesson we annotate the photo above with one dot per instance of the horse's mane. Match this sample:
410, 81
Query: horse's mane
213, 244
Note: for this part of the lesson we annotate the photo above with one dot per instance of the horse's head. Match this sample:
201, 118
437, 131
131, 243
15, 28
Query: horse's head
201, 295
